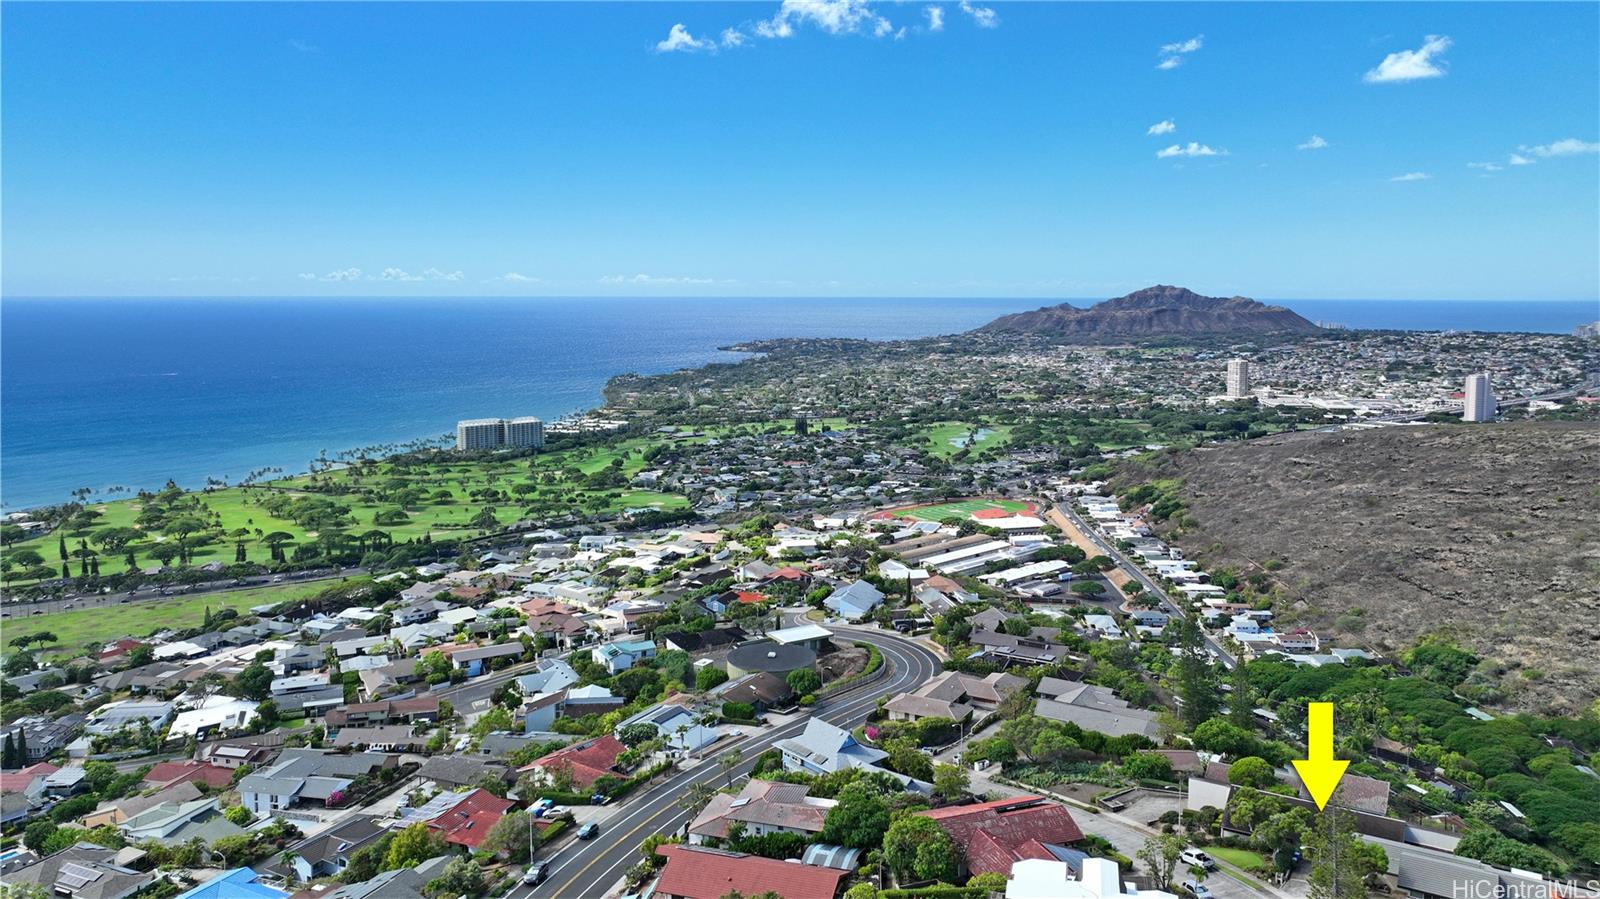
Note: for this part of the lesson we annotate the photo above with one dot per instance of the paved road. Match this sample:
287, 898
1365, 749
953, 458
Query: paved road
1135, 572
588, 870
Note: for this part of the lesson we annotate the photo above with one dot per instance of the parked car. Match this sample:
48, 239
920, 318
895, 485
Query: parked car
534, 875
589, 831
599, 799
1196, 889
1192, 857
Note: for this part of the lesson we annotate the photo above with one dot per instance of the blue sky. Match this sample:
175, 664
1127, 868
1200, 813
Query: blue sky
818, 147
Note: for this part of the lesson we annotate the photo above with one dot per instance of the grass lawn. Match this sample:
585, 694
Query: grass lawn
946, 438
82, 627
1239, 858
444, 496
941, 511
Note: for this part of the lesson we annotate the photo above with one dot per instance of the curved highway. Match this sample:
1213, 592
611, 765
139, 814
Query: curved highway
583, 870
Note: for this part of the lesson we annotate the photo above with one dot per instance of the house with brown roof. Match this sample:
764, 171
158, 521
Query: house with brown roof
164, 775
955, 696
762, 691
468, 821
695, 872
995, 835
586, 762
385, 711
762, 807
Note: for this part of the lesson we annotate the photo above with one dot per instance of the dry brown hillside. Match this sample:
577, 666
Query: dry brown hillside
1488, 533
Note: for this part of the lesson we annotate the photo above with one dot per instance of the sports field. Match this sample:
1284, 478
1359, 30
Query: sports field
961, 509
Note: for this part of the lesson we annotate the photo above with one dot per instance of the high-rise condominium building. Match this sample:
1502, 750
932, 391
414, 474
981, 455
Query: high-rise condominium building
480, 433
525, 431
488, 433
1238, 378
1479, 404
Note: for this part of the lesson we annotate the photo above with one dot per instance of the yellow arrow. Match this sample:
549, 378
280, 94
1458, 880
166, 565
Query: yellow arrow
1320, 771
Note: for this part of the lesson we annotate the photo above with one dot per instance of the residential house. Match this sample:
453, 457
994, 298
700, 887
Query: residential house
762, 691
678, 725
424, 707
476, 660
44, 737
401, 883
166, 775
120, 810
623, 654
305, 775
762, 807
822, 748
704, 642
586, 762
1041, 878
421, 610
84, 871
128, 713
469, 818
238, 883
383, 738
954, 695
854, 601
696, 872
254, 750
548, 676
172, 823
452, 772
1093, 708
993, 836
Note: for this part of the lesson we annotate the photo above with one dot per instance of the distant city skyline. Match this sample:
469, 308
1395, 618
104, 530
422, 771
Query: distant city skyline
798, 149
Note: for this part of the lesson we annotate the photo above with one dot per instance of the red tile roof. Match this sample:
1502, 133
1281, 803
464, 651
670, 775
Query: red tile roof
117, 649
587, 761
170, 774
695, 872
788, 573
17, 781
752, 597
468, 822
996, 834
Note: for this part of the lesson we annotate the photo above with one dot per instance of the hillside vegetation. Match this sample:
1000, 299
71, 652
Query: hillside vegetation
1487, 535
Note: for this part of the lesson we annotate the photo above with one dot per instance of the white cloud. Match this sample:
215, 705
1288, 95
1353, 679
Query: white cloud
295, 43
935, 16
982, 16
654, 279
1567, 147
1485, 166
391, 274
832, 16
1190, 150
1412, 176
1410, 65
679, 40
1172, 54
1188, 46
1165, 126
343, 274
733, 37
514, 278
1519, 159
1315, 143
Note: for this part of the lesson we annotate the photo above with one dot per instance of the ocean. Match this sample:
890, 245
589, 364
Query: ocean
133, 392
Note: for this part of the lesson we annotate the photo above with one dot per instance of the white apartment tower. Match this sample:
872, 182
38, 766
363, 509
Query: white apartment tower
489, 433
1238, 378
525, 431
480, 433
1479, 404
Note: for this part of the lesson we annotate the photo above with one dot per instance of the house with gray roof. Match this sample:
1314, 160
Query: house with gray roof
1094, 708
822, 748
305, 775
403, 883
854, 601
179, 822
84, 871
